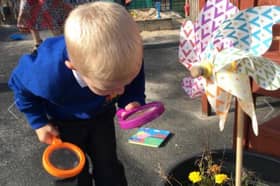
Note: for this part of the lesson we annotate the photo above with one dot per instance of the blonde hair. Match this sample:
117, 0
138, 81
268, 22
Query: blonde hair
103, 41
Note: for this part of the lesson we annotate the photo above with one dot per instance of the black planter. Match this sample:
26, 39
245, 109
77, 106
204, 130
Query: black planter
267, 169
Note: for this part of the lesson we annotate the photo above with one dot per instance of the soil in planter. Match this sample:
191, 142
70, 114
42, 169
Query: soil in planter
265, 169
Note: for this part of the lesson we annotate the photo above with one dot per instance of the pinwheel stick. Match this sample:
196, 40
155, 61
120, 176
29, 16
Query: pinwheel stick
206, 72
239, 145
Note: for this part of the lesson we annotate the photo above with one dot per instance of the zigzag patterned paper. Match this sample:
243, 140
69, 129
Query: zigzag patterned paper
251, 29
187, 46
265, 73
219, 99
194, 87
212, 15
195, 37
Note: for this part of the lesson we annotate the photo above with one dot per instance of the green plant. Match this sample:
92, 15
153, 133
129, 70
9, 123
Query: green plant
210, 173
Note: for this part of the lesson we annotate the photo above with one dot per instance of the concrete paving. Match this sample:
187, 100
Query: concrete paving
20, 151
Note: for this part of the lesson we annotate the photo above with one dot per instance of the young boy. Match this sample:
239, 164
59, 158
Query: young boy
67, 89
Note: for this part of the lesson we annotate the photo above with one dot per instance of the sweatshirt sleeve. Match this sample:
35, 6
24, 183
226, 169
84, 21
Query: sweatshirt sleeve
29, 104
135, 91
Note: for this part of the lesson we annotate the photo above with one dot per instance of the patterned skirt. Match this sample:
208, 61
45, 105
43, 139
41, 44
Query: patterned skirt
42, 14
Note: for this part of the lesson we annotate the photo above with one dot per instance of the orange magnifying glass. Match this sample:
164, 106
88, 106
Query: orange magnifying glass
62, 159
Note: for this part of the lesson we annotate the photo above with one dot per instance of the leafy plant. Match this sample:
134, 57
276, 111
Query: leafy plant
210, 173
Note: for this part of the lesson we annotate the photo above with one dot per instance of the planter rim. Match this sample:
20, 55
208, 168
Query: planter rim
217, 151
245, 152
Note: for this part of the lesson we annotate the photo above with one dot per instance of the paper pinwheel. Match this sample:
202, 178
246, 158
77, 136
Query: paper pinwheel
227, 45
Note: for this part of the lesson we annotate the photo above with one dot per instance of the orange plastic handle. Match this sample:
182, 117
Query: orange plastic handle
62, 173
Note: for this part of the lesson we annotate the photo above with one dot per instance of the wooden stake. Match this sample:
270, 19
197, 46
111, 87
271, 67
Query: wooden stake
239, 145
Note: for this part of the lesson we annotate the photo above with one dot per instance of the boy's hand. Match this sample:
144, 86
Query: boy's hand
132, 105
46, 133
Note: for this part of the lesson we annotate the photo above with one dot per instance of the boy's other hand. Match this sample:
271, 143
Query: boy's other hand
46, 133
132, 105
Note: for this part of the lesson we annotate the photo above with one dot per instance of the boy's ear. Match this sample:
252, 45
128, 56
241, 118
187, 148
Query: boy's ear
69, 65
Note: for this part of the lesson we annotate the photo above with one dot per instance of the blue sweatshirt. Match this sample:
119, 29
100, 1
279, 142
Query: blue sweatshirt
43, 86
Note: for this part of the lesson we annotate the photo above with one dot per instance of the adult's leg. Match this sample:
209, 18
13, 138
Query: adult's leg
36, 39
107, 169
36, 36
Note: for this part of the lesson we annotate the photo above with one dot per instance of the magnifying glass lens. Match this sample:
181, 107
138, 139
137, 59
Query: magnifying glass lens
141, 112
64, 159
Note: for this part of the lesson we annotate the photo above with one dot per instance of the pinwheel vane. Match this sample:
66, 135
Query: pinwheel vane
223, 49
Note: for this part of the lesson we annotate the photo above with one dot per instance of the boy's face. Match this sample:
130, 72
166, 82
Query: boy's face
105, 88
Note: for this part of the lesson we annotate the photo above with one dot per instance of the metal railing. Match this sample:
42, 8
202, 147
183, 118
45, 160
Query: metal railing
166, 5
